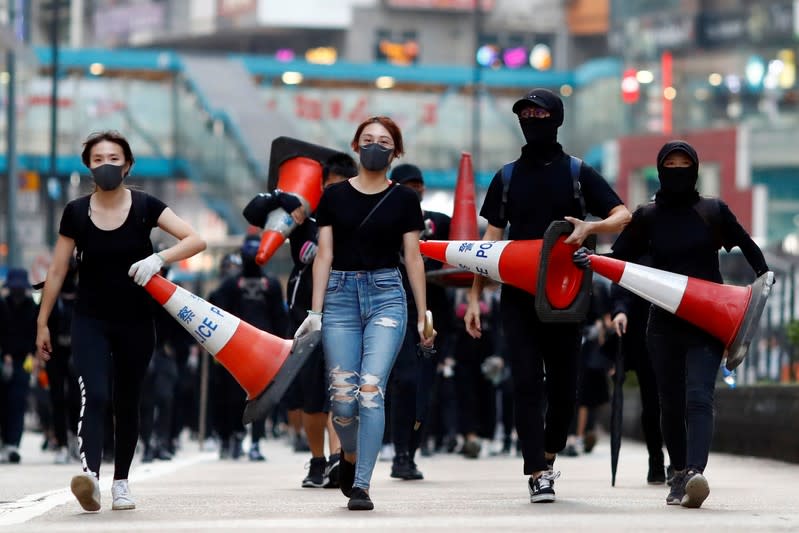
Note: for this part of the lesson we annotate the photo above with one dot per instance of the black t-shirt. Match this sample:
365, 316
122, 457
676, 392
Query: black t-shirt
377, 243
680, 241
104, 288
541, 193
300, 286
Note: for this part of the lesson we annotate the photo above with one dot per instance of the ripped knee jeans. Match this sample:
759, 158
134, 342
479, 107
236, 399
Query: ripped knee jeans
365, 317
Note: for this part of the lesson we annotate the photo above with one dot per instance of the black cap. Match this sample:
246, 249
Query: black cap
406, 172
17, 278
677, 146
543, 98
285, 148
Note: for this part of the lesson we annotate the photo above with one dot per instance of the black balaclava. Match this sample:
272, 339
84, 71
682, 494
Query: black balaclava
541, 134
677, 184
249, 268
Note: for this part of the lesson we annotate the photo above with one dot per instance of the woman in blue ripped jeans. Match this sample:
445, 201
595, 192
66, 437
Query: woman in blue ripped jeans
364, 225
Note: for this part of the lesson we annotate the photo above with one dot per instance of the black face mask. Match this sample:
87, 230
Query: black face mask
678, 180
374, 157
108, 176
539, 130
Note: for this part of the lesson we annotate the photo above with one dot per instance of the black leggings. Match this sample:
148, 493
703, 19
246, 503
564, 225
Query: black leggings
106, 351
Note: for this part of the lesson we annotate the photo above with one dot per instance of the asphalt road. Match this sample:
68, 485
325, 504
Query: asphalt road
198, 492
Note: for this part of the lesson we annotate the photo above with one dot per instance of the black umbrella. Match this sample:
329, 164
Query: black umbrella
616, 408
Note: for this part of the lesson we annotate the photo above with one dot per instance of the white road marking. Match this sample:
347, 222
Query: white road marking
33, 505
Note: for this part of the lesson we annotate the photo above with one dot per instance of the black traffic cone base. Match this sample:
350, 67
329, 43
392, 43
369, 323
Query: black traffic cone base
260, 407
761, 288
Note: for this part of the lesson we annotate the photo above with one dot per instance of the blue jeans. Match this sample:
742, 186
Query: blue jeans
686, 361
362, 331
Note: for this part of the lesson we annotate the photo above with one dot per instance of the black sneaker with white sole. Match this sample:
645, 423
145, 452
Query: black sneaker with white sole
542, 489
316, 473
696, 490
331, 473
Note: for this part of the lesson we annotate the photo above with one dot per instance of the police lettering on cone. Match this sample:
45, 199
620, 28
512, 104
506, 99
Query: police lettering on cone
544, 185
683, 232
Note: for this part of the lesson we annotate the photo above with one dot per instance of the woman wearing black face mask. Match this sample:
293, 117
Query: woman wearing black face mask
364, 224
682, 233
112, 326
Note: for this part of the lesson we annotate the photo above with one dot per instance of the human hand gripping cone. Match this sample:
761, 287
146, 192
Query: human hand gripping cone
313, 322
263, 364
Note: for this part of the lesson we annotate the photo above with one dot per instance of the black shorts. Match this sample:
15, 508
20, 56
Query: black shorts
592, 389
308, 391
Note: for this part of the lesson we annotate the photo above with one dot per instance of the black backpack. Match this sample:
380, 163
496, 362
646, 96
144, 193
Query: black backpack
575, 164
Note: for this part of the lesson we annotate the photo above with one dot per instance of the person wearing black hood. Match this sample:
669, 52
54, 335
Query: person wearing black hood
682, 233
542, 189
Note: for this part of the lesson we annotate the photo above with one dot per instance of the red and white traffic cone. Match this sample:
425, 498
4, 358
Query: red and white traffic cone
263, 364
462, 227
302, 177
542, 267
729, 313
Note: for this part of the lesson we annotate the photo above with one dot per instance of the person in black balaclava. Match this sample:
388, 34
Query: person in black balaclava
542, 189
683, 233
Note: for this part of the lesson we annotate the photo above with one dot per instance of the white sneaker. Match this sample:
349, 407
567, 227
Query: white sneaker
123, 500
86, 489
386, 452
61, 456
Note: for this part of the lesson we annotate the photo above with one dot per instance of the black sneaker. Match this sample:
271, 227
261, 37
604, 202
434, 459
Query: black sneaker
669, 475
346, 476
331, 472
471, 449
255, 453
359, 500
696, 490
656, 474
677, 488
403, 467
316, 473
542, 489
569, 451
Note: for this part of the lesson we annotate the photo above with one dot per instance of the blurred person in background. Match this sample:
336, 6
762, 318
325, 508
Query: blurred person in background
629, 313
256, 298
364, 223
17, 344
64, 389
112, 326
411, 382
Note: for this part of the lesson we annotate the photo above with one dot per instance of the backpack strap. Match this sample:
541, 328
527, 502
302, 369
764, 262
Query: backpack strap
709, 209
575, 164
507, 174
81, 223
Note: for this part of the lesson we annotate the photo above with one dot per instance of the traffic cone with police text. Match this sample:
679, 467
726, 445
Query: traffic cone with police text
729, 313
263, 364
542, 267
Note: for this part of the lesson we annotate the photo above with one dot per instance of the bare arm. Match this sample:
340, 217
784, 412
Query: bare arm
64, 246
321, 267
618, 217
472, 317
189, 241
415, 268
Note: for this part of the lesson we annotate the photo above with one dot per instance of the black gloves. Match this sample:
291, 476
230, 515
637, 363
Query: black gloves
259, 207
582, 257
287, 201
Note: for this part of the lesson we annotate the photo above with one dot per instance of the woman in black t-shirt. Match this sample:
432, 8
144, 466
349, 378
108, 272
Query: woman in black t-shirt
112, 327
364, 223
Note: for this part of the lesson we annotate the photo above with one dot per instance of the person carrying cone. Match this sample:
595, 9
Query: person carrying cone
364, 223
112, 327
544, 185
682, 233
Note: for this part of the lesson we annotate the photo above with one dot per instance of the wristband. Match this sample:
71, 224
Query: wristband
314, 313
161, 257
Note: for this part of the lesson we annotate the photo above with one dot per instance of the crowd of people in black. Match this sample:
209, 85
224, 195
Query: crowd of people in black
491, 379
